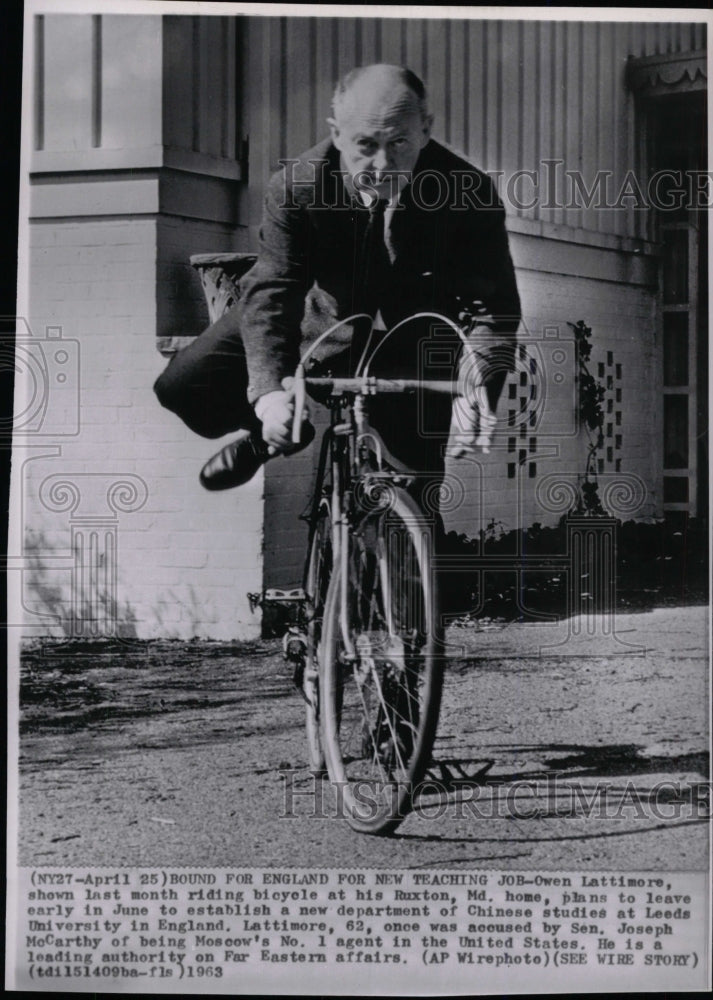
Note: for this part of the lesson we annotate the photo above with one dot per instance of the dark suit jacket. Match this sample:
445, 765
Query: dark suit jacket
449, 243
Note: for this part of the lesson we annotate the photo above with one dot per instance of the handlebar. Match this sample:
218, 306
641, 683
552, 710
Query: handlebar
370, 385
366, 385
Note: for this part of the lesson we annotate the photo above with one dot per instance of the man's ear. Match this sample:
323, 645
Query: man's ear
426, 127
334, 130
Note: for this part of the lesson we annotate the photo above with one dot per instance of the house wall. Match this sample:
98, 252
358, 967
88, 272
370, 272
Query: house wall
132, 171
506, 94
152, 139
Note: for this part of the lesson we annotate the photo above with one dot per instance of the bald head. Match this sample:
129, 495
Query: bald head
380, 125
380, 83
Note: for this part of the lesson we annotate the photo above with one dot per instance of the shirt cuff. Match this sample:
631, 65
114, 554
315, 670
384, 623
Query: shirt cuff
260, 387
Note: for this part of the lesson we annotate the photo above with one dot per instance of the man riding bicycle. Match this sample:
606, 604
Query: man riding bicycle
381, 220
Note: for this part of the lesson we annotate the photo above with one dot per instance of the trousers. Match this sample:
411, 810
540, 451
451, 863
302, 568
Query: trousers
206, 383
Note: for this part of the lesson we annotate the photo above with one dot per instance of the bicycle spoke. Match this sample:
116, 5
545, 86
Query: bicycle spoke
385, 708
368, 732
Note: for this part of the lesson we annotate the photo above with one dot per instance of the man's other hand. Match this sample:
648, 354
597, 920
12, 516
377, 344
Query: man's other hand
472, 427
276, 412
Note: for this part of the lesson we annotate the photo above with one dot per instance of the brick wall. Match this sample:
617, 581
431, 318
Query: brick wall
288, 485
625, 346
119, 535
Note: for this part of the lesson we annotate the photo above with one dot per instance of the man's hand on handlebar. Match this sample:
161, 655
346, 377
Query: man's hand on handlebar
471, 428
276, 411
472, 420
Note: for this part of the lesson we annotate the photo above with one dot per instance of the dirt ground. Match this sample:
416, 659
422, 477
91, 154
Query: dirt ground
193, 754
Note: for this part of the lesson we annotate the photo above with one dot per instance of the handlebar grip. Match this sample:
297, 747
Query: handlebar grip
299, 391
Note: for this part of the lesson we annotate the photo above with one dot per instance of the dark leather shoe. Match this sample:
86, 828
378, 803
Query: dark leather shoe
239, 460
236, 463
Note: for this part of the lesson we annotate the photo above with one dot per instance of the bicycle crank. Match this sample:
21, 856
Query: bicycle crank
294, 649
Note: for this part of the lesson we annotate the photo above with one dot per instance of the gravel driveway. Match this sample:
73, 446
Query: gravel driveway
170, 753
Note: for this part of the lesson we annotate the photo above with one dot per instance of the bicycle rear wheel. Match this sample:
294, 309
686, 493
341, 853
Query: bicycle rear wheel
380, 704
319, 569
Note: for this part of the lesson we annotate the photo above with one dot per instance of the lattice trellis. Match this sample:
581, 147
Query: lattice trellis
522, 390
609, 374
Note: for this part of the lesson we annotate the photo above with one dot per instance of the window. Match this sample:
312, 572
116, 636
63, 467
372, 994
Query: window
678, 144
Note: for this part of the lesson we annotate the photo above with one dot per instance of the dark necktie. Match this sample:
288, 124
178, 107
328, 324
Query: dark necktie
376, 260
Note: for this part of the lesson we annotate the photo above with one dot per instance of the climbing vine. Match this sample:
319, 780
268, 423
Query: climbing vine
591, 413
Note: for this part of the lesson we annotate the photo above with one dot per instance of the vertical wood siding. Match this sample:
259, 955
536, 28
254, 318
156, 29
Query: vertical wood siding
542, 97
118, 82
508, 95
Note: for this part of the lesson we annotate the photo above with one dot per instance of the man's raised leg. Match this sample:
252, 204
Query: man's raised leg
206, 383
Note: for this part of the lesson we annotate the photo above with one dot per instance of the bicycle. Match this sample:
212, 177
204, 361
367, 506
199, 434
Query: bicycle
367, 644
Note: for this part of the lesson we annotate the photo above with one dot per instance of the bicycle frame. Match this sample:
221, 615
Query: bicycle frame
339, 448
343, 445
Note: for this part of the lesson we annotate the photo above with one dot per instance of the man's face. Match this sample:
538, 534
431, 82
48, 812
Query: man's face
380, 135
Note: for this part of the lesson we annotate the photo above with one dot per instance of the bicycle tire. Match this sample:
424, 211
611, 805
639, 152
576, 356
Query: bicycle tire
379, 713
319, 569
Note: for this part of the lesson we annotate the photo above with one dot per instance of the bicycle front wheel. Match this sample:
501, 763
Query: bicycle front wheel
380, 676
319, 568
